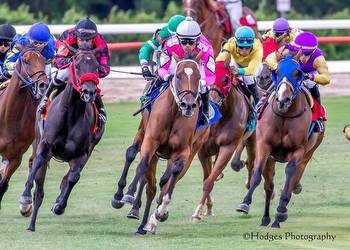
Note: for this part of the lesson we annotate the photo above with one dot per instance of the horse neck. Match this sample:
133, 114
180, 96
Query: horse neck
17, 100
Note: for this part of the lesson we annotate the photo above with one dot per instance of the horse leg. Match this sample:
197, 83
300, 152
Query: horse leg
237, 164
41, 159
75, 167
6, 175
260, 161
130, 155
164, 180
134, 211
290, 171
151, 188
250, 146
148, 149
268, 174
38, 196
206, 163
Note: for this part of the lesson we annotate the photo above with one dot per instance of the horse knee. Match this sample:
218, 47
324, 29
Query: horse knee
74, 177
142, 167
131, 152
177, 167
164, 179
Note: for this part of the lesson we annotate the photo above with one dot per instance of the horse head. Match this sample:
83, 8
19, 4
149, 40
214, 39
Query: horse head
185, 85
264, 79
84, 74
226, 77
191, 8
287, 81
30, 69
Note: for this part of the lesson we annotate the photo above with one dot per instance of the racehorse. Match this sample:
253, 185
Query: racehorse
205, 12
170, 133
282, 135
70, 134
18, 103
225, 135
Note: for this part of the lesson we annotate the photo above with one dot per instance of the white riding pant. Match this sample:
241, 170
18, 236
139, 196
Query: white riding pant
234, 9
251, 79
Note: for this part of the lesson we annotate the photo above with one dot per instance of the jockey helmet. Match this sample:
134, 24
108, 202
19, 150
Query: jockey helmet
86, 29
307, 42
39, 32
189, 29
244, 36
280, 25
174, 21
7, 32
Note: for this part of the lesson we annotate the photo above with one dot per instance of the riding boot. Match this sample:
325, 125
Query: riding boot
315, 93
205, 102
102, 115
254, 93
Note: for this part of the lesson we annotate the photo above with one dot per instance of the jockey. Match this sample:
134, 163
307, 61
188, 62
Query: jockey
154, 44
188, 39
312, 62
7, 33
235, 10
38, 37
280, 35
83, 36
247, 53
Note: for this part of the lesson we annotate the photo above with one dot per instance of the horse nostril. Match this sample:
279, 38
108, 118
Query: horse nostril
183, 105
193, 106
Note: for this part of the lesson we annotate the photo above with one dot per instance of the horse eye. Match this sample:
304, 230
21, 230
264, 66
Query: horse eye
25, 62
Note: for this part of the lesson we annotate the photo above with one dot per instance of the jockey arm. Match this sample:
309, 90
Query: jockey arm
103, 57
151, 45
323, 76
11, 58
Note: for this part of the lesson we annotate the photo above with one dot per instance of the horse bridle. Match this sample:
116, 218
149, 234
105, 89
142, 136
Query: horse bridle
28, 81
179, 95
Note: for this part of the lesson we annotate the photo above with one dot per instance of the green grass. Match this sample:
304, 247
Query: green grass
91, 223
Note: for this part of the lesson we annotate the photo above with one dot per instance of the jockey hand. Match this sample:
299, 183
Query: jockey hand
146, 73
308, 76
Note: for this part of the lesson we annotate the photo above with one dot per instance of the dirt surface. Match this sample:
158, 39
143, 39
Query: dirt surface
115, 90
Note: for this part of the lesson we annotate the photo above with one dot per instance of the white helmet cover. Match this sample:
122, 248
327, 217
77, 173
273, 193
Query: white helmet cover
188, 29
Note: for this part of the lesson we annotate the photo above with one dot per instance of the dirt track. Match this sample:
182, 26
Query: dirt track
131, 89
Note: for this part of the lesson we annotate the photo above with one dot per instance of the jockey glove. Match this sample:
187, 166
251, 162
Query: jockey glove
146, 73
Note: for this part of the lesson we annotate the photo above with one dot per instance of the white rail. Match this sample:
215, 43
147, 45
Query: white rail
144, 28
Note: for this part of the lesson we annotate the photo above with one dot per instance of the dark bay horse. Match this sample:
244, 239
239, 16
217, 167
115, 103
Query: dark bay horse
170, 133
69, 134
225, 135
18, 104
282, 136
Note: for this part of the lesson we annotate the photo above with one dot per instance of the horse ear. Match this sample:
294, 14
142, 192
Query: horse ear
297, 56
227, 62
199, 56
176, 57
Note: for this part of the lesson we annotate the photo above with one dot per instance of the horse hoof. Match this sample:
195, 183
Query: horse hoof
117, 203
128, 199
265, 221
298, 188
133, 214
140, 232
162, 217
57, 209
243, 208
26, 211
150, 228
281, 217
275, 224
31, 229
237, 166
221, 175
196, 218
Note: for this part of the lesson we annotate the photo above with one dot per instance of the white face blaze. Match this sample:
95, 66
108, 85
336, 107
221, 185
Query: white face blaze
188, 72
282, 89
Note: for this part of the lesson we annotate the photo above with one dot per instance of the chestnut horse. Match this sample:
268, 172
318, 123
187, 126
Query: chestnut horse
205, 13
69, 134
282, 135
18, 105
225, 135
170, 133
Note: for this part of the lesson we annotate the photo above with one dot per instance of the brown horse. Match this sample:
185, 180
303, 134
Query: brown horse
224, 136
170, 133
282, 136
205, 12
18, 104
70, 134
